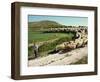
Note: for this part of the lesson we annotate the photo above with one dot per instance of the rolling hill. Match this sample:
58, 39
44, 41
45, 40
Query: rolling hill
43, 24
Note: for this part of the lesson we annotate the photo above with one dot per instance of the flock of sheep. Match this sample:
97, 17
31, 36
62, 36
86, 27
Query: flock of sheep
68, 29
79, 41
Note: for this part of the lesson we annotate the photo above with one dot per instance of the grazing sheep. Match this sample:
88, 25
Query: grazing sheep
66, 46
80, 43
60, 47
79, 40
85, 41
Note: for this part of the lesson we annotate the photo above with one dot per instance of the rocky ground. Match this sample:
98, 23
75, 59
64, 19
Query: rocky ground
60, 59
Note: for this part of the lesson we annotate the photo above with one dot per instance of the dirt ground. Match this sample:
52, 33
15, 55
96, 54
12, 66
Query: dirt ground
60, 59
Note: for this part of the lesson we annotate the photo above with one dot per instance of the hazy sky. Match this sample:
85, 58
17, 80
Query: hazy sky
65, 20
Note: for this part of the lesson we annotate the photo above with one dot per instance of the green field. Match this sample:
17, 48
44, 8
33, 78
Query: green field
40, 36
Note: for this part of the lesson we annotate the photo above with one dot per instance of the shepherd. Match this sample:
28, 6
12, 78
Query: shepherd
35, 49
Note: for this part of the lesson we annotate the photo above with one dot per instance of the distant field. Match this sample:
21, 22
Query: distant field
40, 36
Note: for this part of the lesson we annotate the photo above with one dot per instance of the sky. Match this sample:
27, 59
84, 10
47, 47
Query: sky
64, 20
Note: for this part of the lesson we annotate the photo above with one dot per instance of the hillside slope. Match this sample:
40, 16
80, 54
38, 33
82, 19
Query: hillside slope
43, 24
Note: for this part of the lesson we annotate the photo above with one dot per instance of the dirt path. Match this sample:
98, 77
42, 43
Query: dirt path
60, 59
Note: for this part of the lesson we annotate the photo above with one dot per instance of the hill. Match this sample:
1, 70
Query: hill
43, 24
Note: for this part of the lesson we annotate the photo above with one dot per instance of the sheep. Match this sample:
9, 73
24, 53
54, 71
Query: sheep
85, 41
60, 47
72, 44
79, 41
66, 46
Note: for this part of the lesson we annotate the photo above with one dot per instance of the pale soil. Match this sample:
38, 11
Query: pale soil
60, 59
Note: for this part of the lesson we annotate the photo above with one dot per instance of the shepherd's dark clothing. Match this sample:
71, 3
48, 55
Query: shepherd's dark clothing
35, 49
